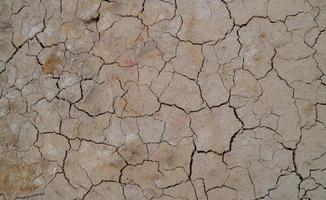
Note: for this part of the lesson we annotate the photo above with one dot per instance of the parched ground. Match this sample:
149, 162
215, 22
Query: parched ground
163, 99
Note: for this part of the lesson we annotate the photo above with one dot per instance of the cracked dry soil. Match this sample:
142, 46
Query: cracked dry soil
163, 99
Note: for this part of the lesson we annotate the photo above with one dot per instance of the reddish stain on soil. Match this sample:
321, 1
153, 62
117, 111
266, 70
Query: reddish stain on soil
263, 35
51, 65
16, 178
129, 62
178, 122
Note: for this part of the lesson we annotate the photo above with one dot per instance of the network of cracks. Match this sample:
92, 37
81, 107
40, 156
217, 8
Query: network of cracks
163, 99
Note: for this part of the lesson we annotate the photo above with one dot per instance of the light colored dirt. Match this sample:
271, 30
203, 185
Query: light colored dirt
163, 99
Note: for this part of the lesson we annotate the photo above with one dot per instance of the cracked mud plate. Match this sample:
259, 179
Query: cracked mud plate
163, 99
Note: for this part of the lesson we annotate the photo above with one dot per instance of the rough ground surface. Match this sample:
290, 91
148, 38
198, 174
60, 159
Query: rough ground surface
163, 99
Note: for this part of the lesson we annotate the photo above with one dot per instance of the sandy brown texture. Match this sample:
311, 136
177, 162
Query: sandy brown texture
163, 99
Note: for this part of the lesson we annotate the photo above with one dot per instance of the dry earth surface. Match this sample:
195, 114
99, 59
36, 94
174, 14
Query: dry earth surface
163, 99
